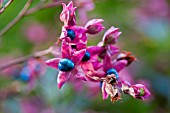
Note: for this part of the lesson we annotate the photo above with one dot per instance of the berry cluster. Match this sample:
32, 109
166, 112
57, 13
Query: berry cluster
101, 63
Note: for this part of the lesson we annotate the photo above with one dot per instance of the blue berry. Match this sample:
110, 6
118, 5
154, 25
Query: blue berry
65, 65
86, 57
113, 71
25, 74
71, 34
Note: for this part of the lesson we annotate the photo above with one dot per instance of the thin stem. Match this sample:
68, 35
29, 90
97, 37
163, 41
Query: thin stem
2, 10
23, 59
16, 19
44, 6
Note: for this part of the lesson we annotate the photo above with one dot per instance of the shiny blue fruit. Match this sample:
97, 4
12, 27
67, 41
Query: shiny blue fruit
25, 74
86, 57
65, 65
71, 34
113, 71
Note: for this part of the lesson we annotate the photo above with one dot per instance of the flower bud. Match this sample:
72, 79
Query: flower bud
111, 36
68, 14
94, 26
139, 91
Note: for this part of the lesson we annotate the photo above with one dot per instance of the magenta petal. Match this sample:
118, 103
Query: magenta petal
70, 5
63, 33
66, 48
94, 26
112, 49
95, 50
119, 65
78, 55
107, 62
99, 73
104, 93
81, 45
68, 14
96, 64
111, 35
53, 62
62, 78
136, 93
79, 73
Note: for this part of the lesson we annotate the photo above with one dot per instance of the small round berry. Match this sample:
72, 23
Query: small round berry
71, 34
86, 57
65, 65
113, 71
25, 74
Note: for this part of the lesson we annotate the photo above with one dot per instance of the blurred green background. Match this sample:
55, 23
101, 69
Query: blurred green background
145, 27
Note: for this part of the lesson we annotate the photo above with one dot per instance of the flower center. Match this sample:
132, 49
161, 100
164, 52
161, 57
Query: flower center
65, 65
71, 34
142, 92
86, 57
113, 71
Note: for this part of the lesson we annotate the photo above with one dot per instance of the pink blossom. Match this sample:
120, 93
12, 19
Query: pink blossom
76, 37
36, 33
111, 36
118, 64
32, 69
139, 91
69, 57
34, 105
159, 9
94, 26
68, 14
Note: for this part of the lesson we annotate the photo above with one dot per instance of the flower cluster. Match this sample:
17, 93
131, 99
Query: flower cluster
101, 63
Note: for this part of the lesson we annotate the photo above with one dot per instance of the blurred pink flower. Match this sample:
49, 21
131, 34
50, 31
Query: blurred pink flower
36, 33
34, 105
32, 69
153, 8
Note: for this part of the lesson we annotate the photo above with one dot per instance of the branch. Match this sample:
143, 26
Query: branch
6, 5
23, 59
26, 11
16, 19
44, 6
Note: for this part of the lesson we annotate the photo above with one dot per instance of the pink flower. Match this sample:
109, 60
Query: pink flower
111, 36
32, 69
68, 64
139, 91
110, 67
36, 33
123, 59
34, 105
75, 35
94, 26
68, 14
